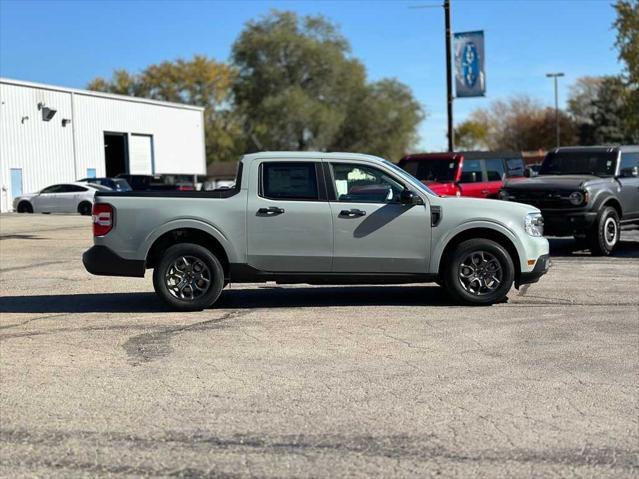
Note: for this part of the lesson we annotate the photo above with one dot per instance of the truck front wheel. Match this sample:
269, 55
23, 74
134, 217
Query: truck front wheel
188, 277
479, 272
604, 235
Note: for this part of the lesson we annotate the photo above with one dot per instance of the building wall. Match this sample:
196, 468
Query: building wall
49, 153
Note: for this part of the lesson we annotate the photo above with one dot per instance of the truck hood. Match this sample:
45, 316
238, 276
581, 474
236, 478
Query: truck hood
487, 208
554, 182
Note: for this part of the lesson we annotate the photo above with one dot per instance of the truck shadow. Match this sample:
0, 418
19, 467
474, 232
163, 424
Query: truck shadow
570, 247
234, 297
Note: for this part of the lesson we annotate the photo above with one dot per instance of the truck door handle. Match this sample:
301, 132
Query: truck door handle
484, 192
352, 213
272, 210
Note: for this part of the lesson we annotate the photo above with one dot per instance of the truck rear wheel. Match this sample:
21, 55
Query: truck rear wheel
479, 272
604, 235
188, 277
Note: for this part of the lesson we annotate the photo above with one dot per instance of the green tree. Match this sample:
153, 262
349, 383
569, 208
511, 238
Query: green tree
599, 107
521, 123
627, 25
200, 81
298, 88
471, 135
381, 121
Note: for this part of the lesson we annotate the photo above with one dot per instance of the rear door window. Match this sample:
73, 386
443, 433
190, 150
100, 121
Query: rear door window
495, 169
289, 181
515, 167
629, 160
472, 171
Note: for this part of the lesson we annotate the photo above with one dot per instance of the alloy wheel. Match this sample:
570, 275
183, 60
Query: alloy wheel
480, 273
610, 231
188, 278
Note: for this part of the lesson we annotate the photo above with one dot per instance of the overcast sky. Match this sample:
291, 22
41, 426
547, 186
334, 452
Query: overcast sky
70, 42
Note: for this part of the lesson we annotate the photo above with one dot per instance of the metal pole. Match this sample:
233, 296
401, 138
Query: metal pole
555, 76
449, 77
557, 112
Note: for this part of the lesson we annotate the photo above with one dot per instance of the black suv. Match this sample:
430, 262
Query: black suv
586, 192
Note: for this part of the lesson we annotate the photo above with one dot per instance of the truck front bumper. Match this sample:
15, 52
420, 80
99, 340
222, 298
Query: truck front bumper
567, 224
103, 261
541, 268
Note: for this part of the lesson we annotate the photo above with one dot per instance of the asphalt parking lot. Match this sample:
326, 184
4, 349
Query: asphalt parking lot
97, 379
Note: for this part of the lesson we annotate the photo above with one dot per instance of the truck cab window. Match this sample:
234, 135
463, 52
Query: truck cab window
289, 181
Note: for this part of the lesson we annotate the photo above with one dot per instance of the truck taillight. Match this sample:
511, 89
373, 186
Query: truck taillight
102, 218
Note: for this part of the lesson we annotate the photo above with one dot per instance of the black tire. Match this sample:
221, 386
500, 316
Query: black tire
25, 207
484, 282
84, 208
604, 235
196, 293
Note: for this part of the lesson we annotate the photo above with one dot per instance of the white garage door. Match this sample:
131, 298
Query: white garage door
141, 154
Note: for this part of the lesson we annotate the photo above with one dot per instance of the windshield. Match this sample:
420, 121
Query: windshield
411, 179
442, 170
597, 163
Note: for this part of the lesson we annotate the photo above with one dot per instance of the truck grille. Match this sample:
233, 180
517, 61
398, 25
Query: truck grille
540, 199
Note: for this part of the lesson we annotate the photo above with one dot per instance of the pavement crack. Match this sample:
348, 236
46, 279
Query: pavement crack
155, 345
37, 318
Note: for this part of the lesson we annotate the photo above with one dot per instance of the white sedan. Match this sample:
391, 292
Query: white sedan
62, 198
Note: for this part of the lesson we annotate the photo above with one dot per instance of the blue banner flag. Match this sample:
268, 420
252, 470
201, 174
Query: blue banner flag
470, 78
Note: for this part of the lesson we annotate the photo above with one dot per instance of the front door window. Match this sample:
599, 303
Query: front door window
363, 184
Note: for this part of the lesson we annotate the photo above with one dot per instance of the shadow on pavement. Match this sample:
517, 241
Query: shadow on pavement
263, 297
570, 247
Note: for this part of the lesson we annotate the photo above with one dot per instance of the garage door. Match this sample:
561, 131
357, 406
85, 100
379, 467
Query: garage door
141, 155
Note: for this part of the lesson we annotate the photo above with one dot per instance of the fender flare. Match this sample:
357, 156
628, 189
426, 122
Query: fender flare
192, 223
438, 248
602, 197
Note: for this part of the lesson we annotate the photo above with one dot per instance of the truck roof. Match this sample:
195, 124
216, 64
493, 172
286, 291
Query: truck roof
471, 155
599, 148
310, 156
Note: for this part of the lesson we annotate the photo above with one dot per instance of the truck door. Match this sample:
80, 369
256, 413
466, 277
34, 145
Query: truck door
472, 181
495, 173
289, 223
629, 181
373, 231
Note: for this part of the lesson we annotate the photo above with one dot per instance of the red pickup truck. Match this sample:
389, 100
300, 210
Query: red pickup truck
479, 174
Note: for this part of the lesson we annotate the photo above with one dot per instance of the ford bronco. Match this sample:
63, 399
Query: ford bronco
587, 192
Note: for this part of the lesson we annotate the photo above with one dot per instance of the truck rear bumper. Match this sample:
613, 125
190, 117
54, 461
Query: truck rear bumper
103, 261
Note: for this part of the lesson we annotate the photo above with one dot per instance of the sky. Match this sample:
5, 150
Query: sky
68, 43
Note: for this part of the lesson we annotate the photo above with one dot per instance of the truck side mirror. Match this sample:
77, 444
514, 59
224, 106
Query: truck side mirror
408, 197
633, 171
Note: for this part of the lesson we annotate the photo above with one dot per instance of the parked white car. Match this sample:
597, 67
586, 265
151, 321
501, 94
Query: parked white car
61, 198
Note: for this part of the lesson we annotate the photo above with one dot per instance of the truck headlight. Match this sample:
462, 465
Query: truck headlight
504, 195
577, 198
534, 224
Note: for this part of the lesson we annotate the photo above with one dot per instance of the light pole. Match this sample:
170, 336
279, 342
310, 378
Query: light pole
449, 69
554, 76
449, 77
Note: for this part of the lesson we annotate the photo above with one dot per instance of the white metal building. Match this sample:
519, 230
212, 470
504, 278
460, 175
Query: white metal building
50, 135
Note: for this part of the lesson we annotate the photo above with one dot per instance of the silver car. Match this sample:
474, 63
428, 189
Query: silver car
61, 198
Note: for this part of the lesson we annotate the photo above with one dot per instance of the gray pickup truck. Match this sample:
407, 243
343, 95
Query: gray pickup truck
588, 192
316, 218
